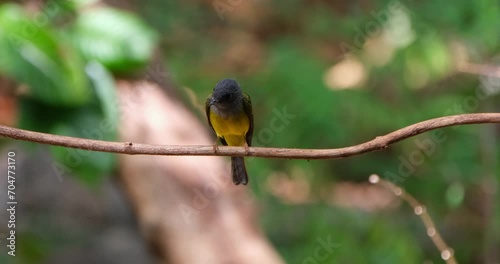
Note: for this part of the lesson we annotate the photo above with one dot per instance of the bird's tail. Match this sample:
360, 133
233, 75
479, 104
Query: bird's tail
239, 171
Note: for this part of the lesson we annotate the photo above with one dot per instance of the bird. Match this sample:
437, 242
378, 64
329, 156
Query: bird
229, 114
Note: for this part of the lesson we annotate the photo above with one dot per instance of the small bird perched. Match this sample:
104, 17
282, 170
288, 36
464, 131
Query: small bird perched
229, 114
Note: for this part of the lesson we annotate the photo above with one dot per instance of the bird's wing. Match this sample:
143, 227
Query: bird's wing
207, 111
247, 106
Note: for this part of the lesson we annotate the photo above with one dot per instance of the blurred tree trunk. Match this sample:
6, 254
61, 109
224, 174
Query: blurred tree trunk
187, 207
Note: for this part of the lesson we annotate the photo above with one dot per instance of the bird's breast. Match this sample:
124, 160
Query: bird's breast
232, 127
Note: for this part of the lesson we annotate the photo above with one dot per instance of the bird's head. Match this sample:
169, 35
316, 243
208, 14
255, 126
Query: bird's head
226, 93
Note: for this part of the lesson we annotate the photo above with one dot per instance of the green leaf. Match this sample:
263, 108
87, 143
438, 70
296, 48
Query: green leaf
32, 54
117, 39
105, 90
79, 4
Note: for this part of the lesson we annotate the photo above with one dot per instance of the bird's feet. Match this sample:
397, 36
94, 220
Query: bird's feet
216, 147
247, 148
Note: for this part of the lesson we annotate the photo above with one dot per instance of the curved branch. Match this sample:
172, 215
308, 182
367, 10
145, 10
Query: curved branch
130, 148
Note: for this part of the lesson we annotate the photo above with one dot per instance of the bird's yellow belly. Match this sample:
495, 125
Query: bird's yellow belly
233, 129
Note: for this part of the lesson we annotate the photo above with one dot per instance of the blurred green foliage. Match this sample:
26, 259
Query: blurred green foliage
118, 40
33, 55
66, 55
284, 52
281, 53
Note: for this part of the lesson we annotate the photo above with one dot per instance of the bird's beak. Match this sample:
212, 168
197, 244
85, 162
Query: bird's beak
212, 101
